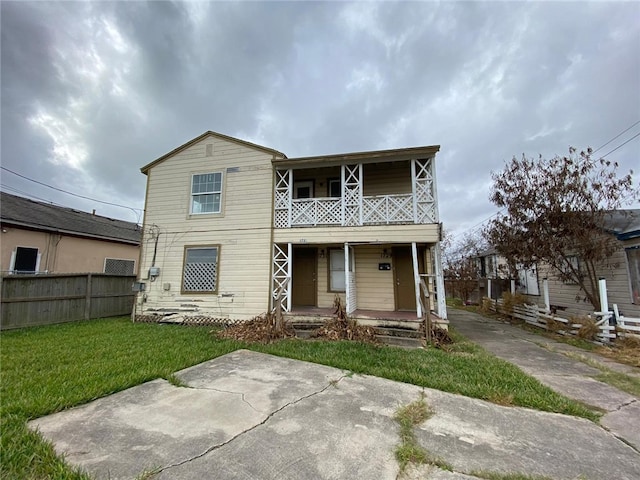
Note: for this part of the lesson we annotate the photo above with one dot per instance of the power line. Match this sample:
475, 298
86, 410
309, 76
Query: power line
134, 210
622, 144
621, 133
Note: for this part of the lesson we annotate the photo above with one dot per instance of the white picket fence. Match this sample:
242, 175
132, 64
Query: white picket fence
611, 325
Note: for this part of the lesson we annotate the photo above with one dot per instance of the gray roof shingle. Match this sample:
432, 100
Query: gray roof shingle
27, 213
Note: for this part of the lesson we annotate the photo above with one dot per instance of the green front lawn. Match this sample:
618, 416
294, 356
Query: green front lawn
48, 369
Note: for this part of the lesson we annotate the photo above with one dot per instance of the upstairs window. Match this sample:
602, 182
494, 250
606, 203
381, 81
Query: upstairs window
206, 193
200, 273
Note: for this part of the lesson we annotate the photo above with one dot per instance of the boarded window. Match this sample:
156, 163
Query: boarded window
633, 260
206, 193
200, 270
117, 266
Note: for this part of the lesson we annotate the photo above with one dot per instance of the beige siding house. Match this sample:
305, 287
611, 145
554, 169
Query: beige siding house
232, 227
621, 272
42, 238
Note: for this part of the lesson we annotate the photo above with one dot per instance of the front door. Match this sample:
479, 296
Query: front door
405, 290
304, 277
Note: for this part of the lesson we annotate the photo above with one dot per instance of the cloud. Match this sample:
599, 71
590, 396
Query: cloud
92, 91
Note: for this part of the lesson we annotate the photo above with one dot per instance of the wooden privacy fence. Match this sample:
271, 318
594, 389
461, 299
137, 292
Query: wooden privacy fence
30, 300
610, 325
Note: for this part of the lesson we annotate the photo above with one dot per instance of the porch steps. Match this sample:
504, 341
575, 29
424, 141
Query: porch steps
393, 336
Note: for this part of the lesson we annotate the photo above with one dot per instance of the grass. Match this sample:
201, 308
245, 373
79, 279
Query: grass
409, 451
48, 369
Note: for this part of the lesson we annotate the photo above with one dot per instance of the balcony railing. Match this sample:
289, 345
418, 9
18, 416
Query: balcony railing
316, 211
376, 210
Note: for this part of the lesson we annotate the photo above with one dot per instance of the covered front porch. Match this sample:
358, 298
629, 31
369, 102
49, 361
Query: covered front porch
379, 284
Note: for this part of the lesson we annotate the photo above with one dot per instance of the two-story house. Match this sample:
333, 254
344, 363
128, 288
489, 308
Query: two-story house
230, 227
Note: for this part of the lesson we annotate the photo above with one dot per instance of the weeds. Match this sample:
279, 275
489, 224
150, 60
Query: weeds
409, 451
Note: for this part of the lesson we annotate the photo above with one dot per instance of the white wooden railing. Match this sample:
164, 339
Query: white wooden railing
376, 210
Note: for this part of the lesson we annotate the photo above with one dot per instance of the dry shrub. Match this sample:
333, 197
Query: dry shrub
260, 329
440, 337
486, 305
554, 326
626, 349
588, 328
341, 327
509, 300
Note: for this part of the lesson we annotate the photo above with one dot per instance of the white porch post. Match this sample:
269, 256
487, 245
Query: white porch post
349, 280
489, 287
416, 277
289, 270
442, 301
513, 287
545, 293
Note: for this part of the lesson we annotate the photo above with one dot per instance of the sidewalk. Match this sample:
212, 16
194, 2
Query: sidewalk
545, 359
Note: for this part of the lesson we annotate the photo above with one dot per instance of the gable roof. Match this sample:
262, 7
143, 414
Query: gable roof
22, 212
184, 146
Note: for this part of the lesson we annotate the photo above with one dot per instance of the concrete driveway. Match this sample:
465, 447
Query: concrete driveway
248, 415
548, 361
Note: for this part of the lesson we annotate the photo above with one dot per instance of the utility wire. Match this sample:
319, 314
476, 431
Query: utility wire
636, 135
134, 210
621, 133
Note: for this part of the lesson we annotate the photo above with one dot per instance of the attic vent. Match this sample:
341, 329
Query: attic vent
209, 149
117, 266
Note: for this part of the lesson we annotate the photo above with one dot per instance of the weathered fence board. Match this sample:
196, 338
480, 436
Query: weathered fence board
31, 300
535, 315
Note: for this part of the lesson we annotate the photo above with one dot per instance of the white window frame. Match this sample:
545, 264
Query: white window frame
340, 267
528, 280
303, 184
633, 273
212, 192
14, 254
216, 280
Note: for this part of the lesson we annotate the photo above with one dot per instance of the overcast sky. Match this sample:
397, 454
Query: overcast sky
91, 92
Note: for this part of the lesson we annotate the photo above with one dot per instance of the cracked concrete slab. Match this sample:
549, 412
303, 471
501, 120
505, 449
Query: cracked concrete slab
248, 415
544, 360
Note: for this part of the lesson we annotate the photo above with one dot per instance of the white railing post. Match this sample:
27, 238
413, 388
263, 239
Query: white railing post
545, 293
513, 287
489, 287
604, 302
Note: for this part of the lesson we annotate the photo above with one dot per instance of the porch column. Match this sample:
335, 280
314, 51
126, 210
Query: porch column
416, 278
281, 277
351, 211
283, 194
442, 303
349, 280
545, 293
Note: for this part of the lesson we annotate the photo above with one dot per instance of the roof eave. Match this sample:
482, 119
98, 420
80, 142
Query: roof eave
191, 142
366, 157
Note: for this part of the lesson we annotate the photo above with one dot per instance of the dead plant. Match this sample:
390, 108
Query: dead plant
588, 329
509, 300
341, 327
260, 329
487, 305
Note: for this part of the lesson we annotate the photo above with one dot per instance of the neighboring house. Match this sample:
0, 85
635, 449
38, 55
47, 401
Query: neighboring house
231, 226
621, 272
42, 238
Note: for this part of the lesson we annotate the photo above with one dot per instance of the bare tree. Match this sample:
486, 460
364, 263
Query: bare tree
459, 263
556, 212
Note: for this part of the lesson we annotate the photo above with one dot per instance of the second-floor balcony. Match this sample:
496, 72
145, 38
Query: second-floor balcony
382, 193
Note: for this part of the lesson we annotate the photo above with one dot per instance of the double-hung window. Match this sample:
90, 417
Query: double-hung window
633, 261
200, 274
206, 193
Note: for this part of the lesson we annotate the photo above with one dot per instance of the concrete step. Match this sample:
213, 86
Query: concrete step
405, 342
398, 332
